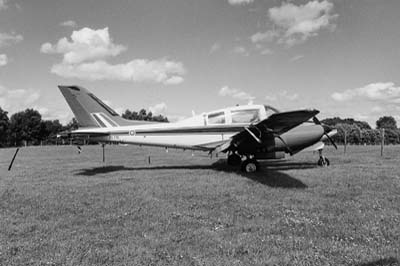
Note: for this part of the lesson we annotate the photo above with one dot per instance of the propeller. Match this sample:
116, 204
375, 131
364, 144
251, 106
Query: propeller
327, 129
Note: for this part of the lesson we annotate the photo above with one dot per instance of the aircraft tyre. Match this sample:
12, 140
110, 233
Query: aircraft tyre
234, 159
323, 161
250, 166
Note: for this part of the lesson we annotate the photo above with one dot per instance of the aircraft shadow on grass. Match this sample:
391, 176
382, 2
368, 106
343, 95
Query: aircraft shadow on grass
270, 174
382, 262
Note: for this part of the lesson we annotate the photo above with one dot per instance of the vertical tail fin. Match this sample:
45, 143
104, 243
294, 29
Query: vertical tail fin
90, 111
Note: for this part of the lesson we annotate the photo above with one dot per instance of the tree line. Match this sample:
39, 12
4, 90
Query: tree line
28, 128
355, 132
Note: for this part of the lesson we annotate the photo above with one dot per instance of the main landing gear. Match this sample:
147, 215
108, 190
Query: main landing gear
234, 159
249, 165
323, 161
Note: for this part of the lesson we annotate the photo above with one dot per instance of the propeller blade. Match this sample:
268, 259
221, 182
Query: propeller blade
316, 120
331, 140
327, 129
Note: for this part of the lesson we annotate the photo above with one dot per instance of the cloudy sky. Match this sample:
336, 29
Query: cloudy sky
175, 56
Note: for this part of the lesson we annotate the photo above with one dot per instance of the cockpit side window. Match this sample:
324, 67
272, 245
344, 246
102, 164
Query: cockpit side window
269, 110
216, 118
245, 116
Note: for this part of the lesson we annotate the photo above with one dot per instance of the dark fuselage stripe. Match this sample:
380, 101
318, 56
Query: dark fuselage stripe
201, 130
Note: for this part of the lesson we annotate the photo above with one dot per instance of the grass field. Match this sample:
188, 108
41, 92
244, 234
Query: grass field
58, 207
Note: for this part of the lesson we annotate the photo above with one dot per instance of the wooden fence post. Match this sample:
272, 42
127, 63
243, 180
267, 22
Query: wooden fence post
382, 140
12, 161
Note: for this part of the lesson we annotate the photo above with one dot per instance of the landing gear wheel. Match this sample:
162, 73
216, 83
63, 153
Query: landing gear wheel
323, 161
234, 159
250, 166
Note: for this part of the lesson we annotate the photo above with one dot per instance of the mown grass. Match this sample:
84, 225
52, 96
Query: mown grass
61, 208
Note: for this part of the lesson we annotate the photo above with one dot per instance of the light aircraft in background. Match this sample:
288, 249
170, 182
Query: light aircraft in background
245, 133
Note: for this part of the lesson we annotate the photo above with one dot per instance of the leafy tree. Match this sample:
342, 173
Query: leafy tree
349, 121
72, 125
342, 131
128, 115
50, 128
160, 118
386, 122
149, 116
4, 127
370, 136
25, 126
143, 115
391, 136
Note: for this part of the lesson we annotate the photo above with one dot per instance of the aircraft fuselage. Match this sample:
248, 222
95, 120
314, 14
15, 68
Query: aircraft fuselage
206, 131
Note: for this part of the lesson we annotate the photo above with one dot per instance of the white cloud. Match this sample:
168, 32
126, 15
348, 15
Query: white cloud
376, 109
270, 98
159, 108
296, 58
236, 94
287, 95
381, 91
117, 109
240, 2
266, 51
84, 58
138, 70
215, 47
18, 99
266, 36
263, 49
3, 4
174, 80
68, 23
86, 44
175, 118
9, 38
298, 23
64, 116
369, 102
282, 96
3, 60
241, 51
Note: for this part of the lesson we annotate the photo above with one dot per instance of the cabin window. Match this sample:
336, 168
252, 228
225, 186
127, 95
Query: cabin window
245, 116
269, 110
216, 118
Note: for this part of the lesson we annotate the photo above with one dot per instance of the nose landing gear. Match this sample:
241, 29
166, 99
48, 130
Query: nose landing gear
323, 161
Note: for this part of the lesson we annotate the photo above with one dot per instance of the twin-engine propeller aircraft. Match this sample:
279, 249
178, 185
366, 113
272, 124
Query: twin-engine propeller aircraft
245, 133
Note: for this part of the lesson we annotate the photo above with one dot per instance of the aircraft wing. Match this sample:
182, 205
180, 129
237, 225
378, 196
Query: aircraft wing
275, 124
279, 123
